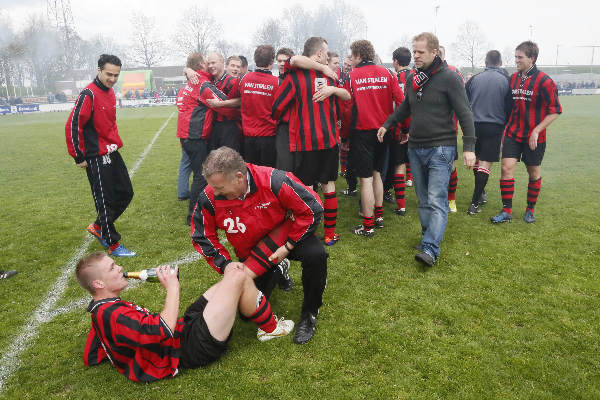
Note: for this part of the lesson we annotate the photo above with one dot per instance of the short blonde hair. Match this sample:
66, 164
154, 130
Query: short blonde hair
223, 160
433, 44
84, 272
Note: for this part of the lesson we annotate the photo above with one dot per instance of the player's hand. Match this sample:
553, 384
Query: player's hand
279, 255
533, 138
168, 277
329, 72
469, 159
381, 133
345, 146
214, 102
323, 93
404, 138
191, 75
82, 164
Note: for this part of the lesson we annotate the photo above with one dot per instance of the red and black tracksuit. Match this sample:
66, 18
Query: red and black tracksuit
195, 126
277, 209
226, 129
92, 136
257, 90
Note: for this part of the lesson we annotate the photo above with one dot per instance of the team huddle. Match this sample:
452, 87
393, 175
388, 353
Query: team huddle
261, 146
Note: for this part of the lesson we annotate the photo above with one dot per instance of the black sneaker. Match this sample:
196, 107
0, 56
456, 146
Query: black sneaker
378, 223
305, 329
425, 258
473, 209
418, 247
389, 197
400, 211
361, 231
7, 274
285, 281
483, 199
349, 192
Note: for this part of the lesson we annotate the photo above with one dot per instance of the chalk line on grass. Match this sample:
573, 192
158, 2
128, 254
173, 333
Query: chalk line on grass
10, 360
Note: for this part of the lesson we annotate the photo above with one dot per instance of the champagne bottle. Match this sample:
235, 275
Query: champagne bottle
146, 275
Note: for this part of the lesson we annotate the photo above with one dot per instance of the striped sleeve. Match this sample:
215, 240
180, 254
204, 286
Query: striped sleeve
283, 97
550, 94
209, 91
93, 353
79, 117
204, 234
302, 202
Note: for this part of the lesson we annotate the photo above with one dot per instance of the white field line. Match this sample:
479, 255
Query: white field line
10, 360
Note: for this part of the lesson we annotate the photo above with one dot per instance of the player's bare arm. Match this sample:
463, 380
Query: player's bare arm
328, 91
191, 75
535, 133
306, 63
169, 281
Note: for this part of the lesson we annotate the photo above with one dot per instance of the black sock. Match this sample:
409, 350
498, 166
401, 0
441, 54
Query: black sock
481, 178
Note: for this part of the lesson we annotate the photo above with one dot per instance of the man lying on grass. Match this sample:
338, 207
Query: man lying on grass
146, 347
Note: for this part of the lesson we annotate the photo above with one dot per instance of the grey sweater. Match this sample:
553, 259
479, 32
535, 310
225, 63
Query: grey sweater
431, 121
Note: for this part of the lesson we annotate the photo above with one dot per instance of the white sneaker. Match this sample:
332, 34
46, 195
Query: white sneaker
284, 328
452, 206
409, 183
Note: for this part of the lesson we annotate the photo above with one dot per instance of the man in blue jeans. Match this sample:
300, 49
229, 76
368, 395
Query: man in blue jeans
433, 95
183, 179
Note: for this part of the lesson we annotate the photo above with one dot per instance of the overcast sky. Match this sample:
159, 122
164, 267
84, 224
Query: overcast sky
505, 23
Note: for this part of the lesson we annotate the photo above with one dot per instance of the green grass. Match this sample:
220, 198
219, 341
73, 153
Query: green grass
508, 311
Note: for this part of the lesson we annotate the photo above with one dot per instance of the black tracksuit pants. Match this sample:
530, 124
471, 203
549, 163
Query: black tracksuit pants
112, 191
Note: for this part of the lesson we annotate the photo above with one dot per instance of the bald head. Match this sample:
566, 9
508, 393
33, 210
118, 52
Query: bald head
215, 65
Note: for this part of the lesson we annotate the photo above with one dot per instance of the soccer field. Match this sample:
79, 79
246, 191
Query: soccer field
508, 312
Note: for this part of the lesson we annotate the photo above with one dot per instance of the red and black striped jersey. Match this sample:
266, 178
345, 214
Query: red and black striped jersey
404, 126
313, 125
91, 129
138, 343
257, 90
272, 196
230, 85
195, 118
534, 97
374, 91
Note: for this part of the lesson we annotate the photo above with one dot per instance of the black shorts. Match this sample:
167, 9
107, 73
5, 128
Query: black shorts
226, 133
367, 154
260, 150
521, 151
285, 158
317, 166
398, 153
198, 347
489, 141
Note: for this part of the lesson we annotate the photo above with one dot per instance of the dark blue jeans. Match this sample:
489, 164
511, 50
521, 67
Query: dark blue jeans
431, 168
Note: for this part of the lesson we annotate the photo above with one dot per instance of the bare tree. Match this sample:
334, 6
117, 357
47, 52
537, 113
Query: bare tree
508, 56
470, 45
350, 22
404, 41
147, 48
197, 31
299, 27
271, 32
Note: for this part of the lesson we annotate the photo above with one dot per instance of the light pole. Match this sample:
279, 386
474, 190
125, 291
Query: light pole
437, 8
530, 32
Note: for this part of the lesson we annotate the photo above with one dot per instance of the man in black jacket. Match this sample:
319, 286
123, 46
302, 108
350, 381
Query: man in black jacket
433, 95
